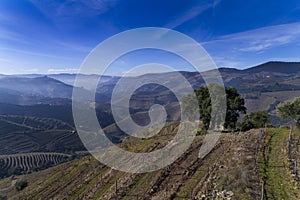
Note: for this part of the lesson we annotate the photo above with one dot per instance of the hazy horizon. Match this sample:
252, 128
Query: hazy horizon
130, 74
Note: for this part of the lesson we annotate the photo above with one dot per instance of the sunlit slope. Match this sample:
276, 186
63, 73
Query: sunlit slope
235, 168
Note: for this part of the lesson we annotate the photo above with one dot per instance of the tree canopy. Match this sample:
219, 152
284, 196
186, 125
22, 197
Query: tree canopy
290, 110
256, 119
235, 104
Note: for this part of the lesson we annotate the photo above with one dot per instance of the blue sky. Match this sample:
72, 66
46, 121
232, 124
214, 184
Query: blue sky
55, 36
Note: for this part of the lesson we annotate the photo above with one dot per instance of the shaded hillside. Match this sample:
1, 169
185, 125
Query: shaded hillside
37, 90
87, 79
40, 86
60, 112
279, 68
22, 134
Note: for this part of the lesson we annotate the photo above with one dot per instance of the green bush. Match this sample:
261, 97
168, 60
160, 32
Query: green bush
256, 119
21, 184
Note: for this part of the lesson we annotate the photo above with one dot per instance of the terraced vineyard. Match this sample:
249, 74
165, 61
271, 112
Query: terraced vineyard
234, 169
31, 143
17, 123
251, 165
36, 135
24, 163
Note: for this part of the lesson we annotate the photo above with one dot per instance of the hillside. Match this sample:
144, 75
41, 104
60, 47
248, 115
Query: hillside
278, 68
36, 135
239, 167
39, 86
24, 90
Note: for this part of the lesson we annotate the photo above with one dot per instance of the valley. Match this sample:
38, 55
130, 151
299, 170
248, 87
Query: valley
39, 144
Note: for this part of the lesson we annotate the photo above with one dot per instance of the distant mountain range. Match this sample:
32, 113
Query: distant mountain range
262, 86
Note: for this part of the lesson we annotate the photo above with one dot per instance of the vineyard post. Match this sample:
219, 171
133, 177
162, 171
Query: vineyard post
166, 191
117, 189
262, 191
263, 181
295, 169
290, 141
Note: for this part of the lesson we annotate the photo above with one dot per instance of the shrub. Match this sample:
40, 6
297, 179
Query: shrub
21, 184
256, 119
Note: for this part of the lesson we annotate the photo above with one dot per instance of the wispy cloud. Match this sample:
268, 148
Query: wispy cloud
68, 8
6, 19
5, 62
65, 70
260, 39
226, 62
6, 35
73, 46
267, 43
190, 14
31, 70
32, 53
251, 47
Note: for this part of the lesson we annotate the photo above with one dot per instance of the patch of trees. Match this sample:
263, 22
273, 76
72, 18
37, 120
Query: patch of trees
235, 106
